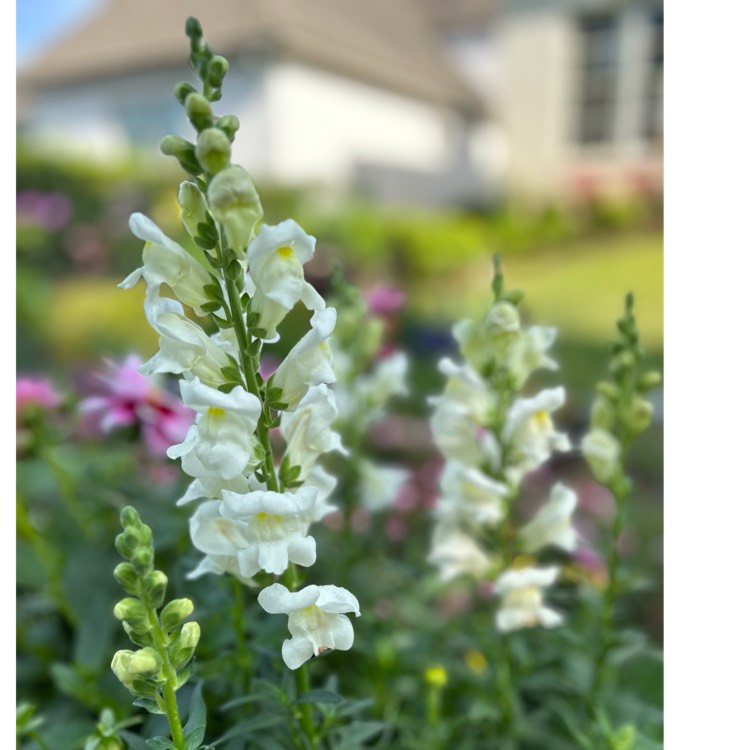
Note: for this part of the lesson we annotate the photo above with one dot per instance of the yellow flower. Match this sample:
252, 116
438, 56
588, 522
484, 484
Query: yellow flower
436, 677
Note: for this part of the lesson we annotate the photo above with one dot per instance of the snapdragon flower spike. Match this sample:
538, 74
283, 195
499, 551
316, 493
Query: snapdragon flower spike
221, 441
470, 497
456, 553
316, 619
167, 262
523, 599
274, 261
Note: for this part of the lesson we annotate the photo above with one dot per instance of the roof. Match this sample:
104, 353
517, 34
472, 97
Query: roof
388, 43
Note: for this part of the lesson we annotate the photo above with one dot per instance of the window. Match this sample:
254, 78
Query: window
599, 72
654, 108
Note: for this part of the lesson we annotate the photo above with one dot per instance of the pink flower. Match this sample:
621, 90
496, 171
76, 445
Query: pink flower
131, 399
34, 392
384, 300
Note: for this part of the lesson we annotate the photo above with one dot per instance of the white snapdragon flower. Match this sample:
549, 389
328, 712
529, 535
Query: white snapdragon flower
528, 353
274, 260
220, 539
468, 494
325, 484
551, 526
529, 431
221, 441
166, 262
523, 600
316, 619
184, 347
379, 484
455, 431
455, 553
210, 487
487, 341
307, 429
309, 361
387, 379
601, 449
275, 528
466, 387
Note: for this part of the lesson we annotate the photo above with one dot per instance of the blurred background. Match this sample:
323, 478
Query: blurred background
414, 139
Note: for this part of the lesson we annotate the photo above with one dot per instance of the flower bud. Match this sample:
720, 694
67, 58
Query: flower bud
126, 576
639, 416
143, 560
217, 69
194, 208
603, 414
199, 111
146, 663
175, 612
601, 450
608, 389
129, 517
139, 632
648, 381
182, 650
502, 318
155, 588
229, 124
127, 542
182, 91
120, 662
183, 151
213, 150
622, 362
234, 201
131, 610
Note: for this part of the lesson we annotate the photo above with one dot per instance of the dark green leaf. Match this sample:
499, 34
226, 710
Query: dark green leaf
320, 696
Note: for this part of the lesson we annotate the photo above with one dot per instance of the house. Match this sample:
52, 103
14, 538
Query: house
429, 101
328, 92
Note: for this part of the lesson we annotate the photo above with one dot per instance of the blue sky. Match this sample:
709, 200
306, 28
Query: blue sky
40, 21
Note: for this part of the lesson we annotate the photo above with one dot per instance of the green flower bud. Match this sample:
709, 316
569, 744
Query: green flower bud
194, 207
603, 415
229, 124
183, 151
199, 111
126, 576
639, 415
139, 633
514, 296
175, 612
601, 450
155, 588
145, 663
608, 389
235, 203
625, 360
501, 318
182, 91
127, 542
182, 650
213, 150
217, 69
193, 28
120, 662
131, 610
129, 517
624, 738
143, 560
649, 380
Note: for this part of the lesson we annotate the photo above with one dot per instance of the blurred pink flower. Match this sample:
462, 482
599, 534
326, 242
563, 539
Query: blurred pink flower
132, 399
49, 210
37, 393
384, 300
396, 528
268, 365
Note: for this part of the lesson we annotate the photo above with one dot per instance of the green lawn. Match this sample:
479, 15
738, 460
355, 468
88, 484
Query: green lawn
577, 288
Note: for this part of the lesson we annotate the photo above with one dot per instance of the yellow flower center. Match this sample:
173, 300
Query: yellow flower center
285, 252
216, 411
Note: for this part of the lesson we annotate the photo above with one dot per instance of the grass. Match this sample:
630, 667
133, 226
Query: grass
579, 289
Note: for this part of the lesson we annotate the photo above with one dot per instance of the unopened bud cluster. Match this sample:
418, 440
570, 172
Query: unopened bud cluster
620, 411
166, 644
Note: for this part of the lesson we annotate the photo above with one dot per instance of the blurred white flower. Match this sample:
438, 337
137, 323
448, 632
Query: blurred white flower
523, 599
455, 553
602, 451
468, 494
528, 353
379, 484
316, 619
552, 526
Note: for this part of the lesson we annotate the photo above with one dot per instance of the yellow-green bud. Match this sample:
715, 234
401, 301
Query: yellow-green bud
131, 610
623, 361
183, 151
608, 389
501, 318
217, 69
175, 612
120, 662
139, 632
127, 542
229, 124
436, 677
213, 150
649, 380
182, 650
193, 205
199, 111
639, 415
624, 738
129, 517
126, 576
145, 663
235, 203
155, 588
143, 560
603, 414
601, 450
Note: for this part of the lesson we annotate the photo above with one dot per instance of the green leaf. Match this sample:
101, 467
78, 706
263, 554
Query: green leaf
134, 741
253, 725
357, 733
320, 696
195, 728
161, 743
212, 306
149, 704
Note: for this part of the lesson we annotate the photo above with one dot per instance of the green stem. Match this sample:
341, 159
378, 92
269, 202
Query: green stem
619, 491
169, 690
